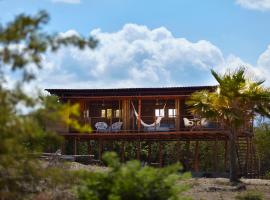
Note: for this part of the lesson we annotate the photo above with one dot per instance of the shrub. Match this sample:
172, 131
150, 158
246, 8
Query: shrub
130, 181
250, 195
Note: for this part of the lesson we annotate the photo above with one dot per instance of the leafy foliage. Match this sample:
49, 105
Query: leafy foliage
131, 181
23, 136
262, 142
234, 103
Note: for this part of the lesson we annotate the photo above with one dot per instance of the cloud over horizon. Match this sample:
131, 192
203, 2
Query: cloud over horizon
261, 5
67, 1
136, 56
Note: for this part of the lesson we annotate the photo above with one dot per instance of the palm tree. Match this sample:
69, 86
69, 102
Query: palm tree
235, 100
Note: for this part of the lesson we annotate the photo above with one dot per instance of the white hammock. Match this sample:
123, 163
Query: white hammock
155, 124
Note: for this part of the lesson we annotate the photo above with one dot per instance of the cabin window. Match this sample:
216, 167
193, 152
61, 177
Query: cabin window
117, 113
159, 112
103, 113
171, 113
109, 113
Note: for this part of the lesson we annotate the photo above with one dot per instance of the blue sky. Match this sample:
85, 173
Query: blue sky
232, 32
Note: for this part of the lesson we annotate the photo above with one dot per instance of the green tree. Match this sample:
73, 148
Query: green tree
22, 136
131, 181
262, 142
235, 101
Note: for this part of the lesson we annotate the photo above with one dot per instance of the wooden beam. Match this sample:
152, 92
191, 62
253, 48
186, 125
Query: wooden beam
196, 157
126, 97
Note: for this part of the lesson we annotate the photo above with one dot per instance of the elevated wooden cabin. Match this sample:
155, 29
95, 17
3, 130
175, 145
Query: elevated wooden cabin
138, 109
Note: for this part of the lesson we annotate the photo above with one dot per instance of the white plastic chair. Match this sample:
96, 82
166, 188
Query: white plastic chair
188, 123
101, 126
204, 122
116, 127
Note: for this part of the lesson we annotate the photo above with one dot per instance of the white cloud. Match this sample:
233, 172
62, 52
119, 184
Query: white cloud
261, 5
136, 56
67, 1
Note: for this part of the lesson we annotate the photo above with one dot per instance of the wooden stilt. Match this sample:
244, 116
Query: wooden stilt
75, 146
196, 157
187, 150
63, 146
89, 147
149, 153
178, 151
248, 157
225, 155
138, 150
100, 149
123, 151
215, 156
160, 154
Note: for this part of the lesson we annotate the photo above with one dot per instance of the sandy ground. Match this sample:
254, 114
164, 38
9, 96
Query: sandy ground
220, 188
205, 188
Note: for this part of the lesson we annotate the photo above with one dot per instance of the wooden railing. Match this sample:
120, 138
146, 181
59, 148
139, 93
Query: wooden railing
167, 124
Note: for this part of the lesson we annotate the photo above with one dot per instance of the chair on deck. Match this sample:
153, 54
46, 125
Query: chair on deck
116, 127
204, 122
101, 126
188, 123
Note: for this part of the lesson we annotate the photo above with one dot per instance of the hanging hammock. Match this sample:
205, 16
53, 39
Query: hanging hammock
155, 124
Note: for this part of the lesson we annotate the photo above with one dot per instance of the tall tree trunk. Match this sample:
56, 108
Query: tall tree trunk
233, 157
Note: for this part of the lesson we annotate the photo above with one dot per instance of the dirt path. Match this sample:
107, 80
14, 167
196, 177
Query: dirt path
220, 188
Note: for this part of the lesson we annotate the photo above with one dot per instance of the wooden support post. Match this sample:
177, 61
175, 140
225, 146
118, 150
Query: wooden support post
100, 149
225, 155
138, 150
196, 157
177, 112
248, 157
139, 114
63, 146
178, 151
215, 156
187, 150
149, 153
160, 154
75, 146
123, 151
89, 147
126, 114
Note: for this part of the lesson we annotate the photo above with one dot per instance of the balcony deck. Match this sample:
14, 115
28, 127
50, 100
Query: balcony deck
201, 134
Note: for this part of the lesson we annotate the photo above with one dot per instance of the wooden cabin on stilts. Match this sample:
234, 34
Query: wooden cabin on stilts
153, 125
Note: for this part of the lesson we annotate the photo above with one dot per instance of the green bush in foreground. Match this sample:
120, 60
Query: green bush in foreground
250, 195
131, 181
